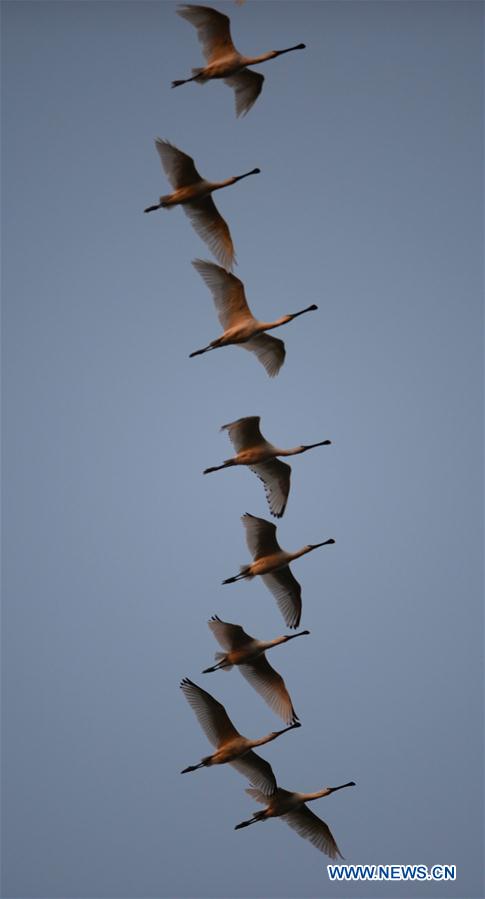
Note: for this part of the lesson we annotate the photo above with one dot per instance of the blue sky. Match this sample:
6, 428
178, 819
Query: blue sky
115, 546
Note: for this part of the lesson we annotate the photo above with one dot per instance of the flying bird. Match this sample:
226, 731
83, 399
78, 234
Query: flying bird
292, 809
193, 193
231, 747
235, 316
261, 457
272, 564
222, 58
249, 655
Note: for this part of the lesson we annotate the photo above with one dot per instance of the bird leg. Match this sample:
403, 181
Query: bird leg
201, 764
238, 577
152, 208
192, 768
225, 464
245, 823
204, 349
258, 816
184, 81
213, 345
215, 667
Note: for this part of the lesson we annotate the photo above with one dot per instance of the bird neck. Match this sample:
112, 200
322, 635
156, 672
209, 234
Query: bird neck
254, 60
284, 319
309, 548
326, 792
272, 736
309, 797
304, 447
269, 326
302, 552
271, 54
278, 640
218, 184
294, 451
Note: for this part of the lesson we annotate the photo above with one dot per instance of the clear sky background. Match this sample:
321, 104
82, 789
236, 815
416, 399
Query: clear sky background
369, 204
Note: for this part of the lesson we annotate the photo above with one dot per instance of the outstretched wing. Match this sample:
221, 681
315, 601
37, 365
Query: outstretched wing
245, 433
229, 636
275, 476
271, 686
213, 30
260, 797
227, 292
247, 86
311, 827
270, 351
211, 715
260, 536
287, 592
257, 770
212, 228
178, 167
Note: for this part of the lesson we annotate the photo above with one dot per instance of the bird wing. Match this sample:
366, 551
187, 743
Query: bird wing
271, 686
287, 592
213, 30
270, 351
260, 536
211, 227
312, 828
227, 292
179, 168
247, 86
260, 797
212, 716
245, 433
257, 770
275, 476
229, 636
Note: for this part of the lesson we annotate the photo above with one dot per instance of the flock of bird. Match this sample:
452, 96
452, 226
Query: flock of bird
269, 561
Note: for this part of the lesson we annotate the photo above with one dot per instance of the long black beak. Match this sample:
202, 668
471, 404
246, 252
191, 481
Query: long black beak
311, 308
289, 49
247, 174
277, 733
351, 783
325, 543
321, 443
